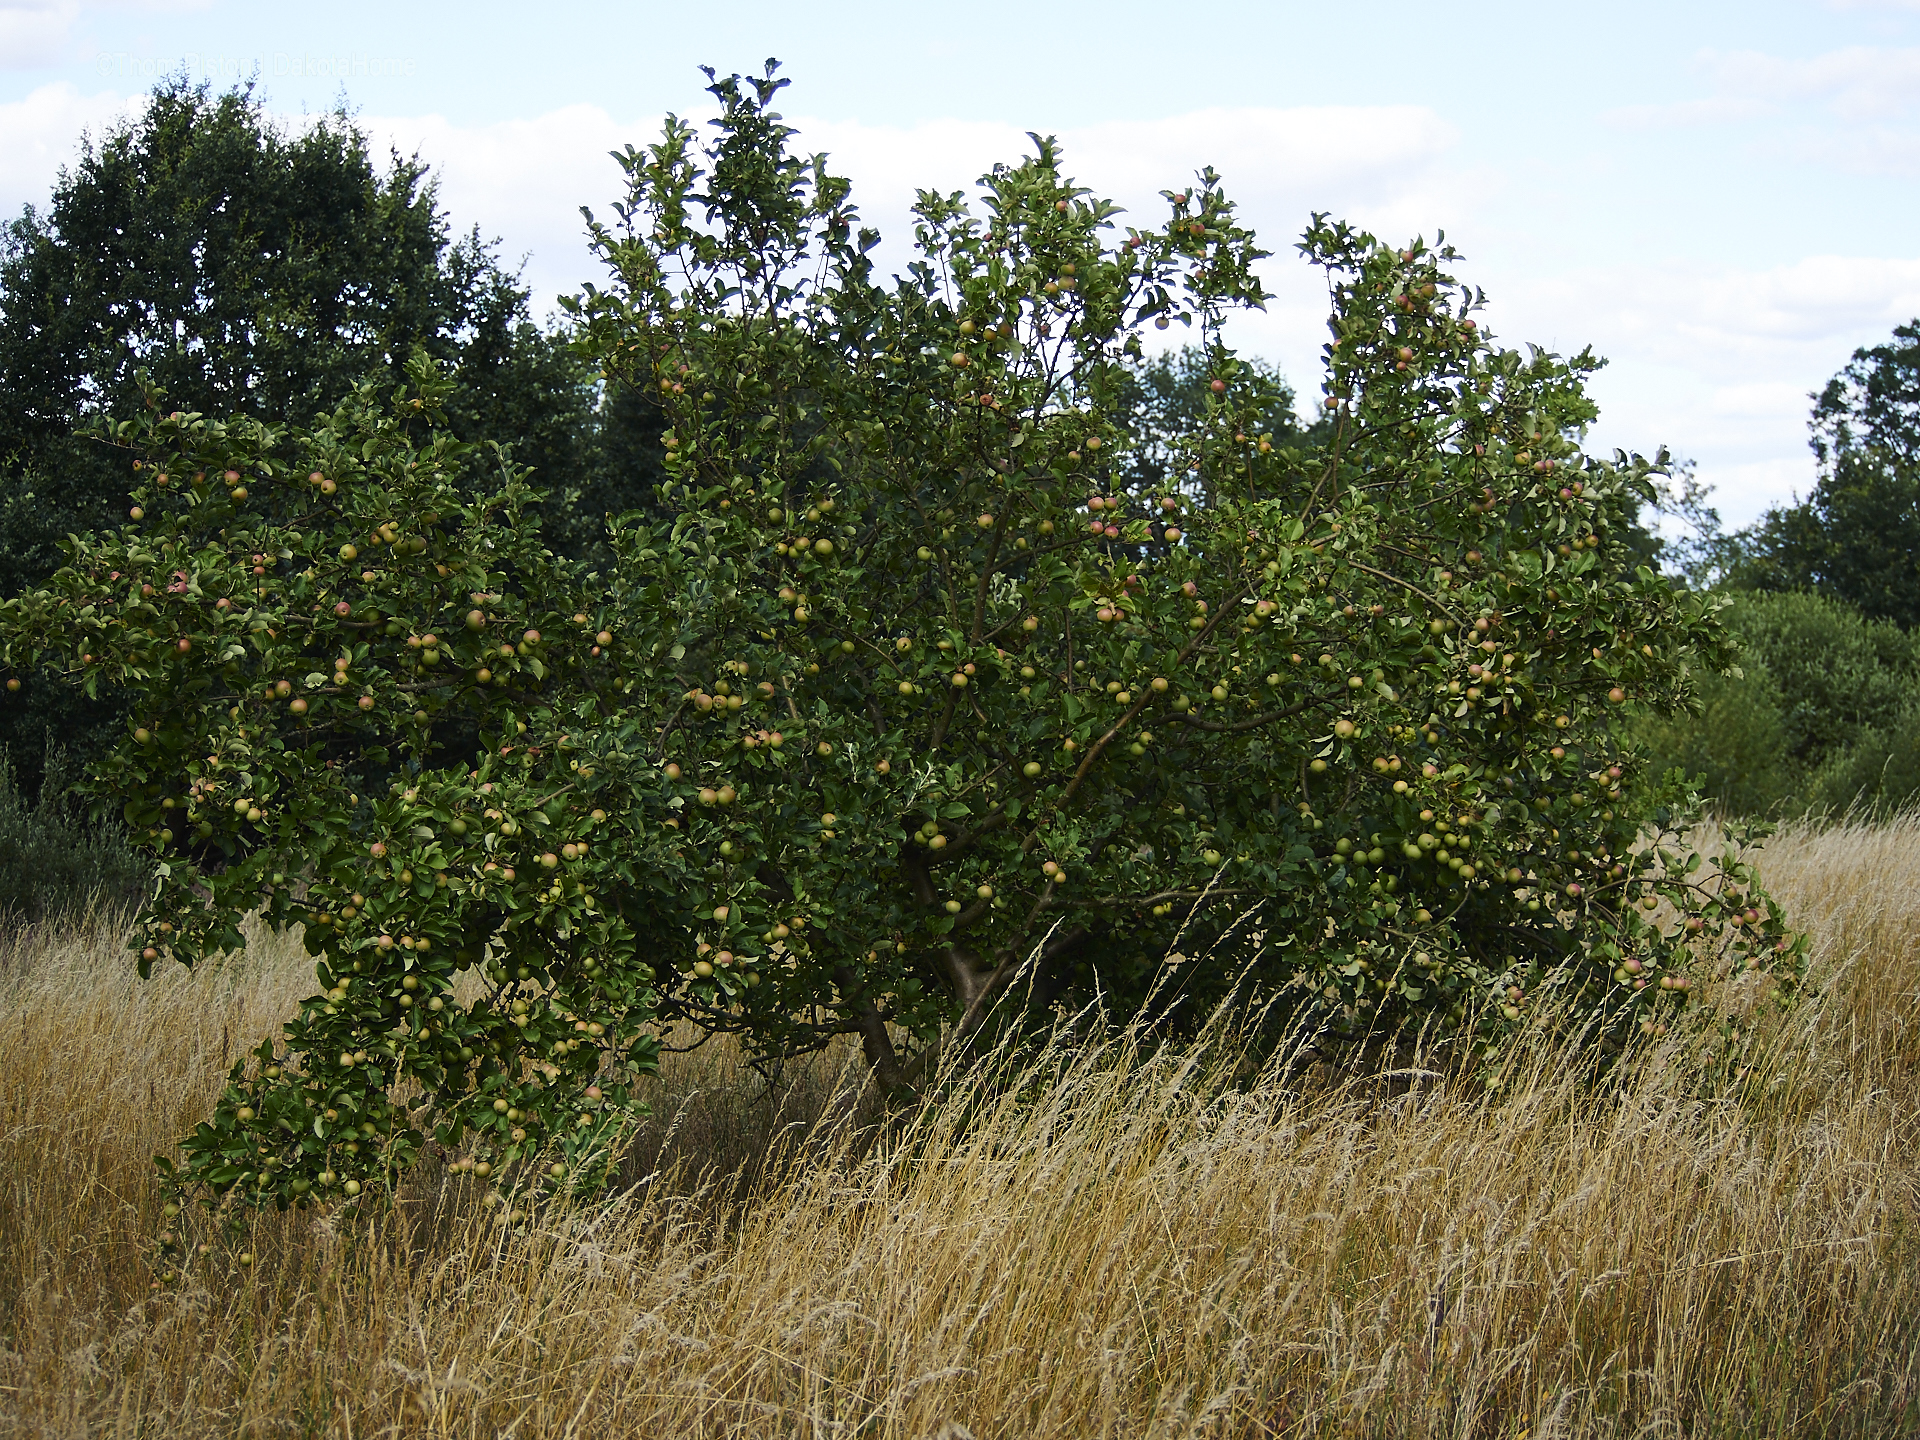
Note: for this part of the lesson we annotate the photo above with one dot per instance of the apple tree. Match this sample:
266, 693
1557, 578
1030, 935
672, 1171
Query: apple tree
915, 703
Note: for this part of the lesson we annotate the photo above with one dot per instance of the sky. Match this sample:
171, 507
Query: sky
1720, 198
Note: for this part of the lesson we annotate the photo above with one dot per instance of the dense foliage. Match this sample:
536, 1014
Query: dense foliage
1163, 400
336, 736
915, 701
1822, 713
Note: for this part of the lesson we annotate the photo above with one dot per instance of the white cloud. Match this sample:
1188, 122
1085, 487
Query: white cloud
1717, 321
1742, 492
1857, 83
1849, 105
1357, 153
40, 134
1715, 362
34, 32
1381, 166
1715, 110
525, 181
1861, 149
1764, 399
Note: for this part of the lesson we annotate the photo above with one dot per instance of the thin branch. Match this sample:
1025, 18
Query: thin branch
1407, 585
1256, 721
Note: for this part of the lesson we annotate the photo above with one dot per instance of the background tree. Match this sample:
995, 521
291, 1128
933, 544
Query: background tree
1165, 402
620, 471
1686, 537
1873, 404
254, 270
1856, 537
1733, 746
54, 862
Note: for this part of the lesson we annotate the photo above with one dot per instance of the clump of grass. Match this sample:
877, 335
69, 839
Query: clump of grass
1151, 1243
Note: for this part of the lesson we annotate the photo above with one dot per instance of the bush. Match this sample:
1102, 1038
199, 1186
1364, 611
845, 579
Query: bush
1834, 674
54, 865
1815, 717
1734, 748
904, 705
1878, 774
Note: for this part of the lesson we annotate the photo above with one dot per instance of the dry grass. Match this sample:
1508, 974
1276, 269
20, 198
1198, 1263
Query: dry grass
1144, 1249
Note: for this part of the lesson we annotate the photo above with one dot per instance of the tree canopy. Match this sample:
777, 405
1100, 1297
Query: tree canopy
1856, 536
1872, 404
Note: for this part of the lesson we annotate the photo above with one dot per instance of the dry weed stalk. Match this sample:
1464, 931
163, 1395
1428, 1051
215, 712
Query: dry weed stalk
1142, 1246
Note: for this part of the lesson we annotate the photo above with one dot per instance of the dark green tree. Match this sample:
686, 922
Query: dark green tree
1873, 404
1823, 698
1856, 537
250, 269
621, 469
1167, 397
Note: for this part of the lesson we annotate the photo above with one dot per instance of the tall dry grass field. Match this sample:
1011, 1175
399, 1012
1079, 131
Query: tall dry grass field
1145, 1248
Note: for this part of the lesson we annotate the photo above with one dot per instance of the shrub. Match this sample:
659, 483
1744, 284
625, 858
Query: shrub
1818, 682
1878, 774
1735, 747
909, 704
1835, 675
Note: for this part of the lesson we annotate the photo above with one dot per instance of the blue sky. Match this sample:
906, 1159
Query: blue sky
1720, 198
